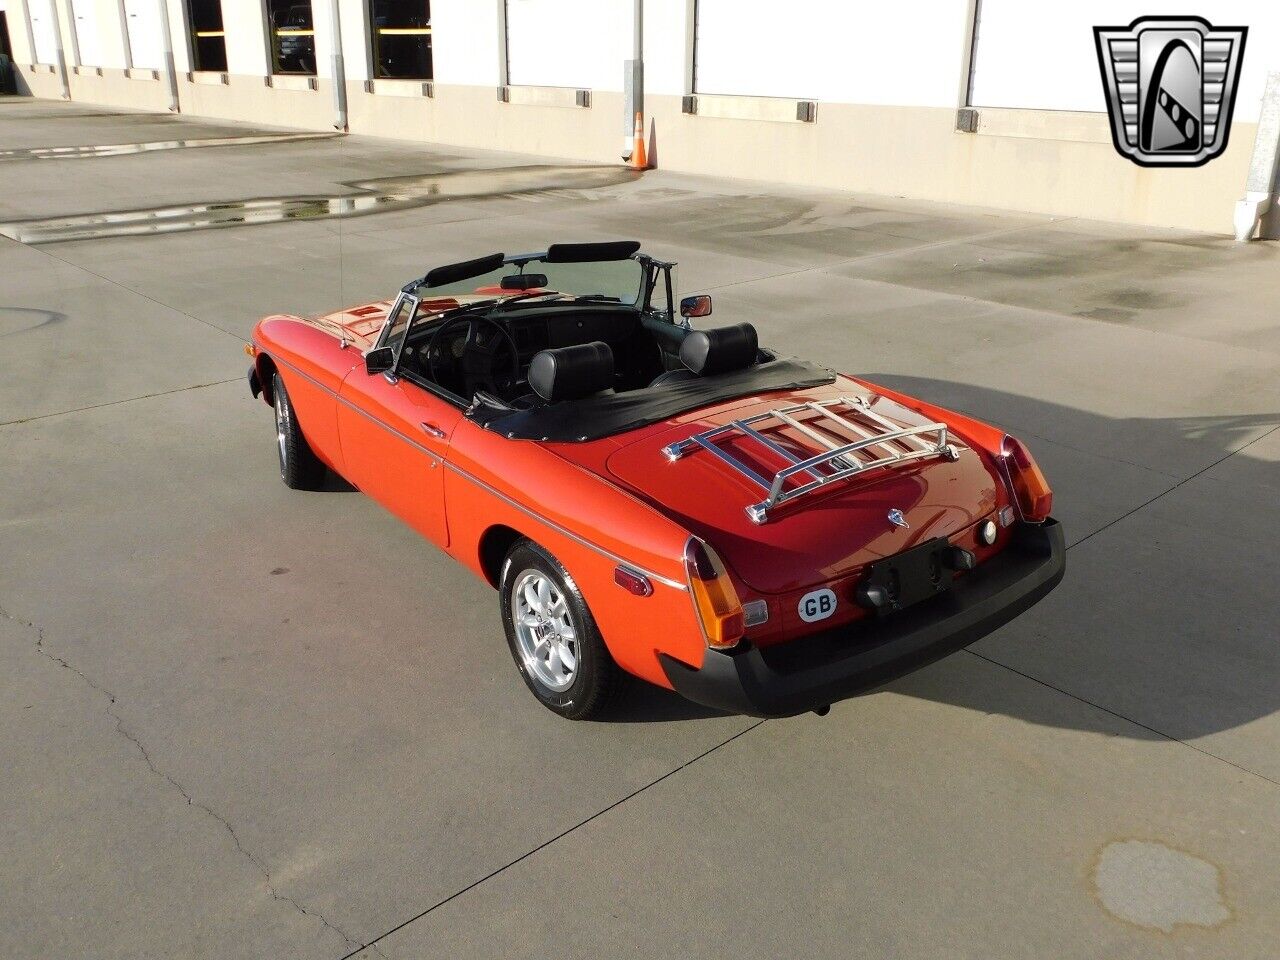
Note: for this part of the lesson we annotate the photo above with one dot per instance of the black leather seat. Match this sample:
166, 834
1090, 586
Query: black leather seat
705, 353
571, 373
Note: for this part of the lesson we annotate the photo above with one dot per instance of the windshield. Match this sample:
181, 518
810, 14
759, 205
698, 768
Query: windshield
618, 281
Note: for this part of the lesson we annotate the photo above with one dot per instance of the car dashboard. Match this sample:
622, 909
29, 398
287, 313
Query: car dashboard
636, 355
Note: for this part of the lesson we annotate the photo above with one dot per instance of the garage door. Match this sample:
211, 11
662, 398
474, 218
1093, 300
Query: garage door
1016, 65
857, 51
568, 43
145, 44
84, 13
42, 30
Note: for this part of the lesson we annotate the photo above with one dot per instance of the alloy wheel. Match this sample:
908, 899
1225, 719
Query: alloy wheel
545, 632
282, 429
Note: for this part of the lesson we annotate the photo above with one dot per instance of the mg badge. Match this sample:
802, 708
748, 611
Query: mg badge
1171, 86
898, 520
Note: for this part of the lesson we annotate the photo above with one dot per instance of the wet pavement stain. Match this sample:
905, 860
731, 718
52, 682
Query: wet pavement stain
15, 320
1157, 887
1107, 314
373, 196
23, 115
1138, 298
127, 149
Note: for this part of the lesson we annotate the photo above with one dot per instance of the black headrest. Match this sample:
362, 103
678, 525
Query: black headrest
720, 350
570, 373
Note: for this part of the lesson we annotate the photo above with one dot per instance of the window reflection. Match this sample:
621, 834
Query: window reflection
400, 32
293, 37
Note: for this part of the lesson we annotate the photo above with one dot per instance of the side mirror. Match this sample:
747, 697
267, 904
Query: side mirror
379, 359
699, 306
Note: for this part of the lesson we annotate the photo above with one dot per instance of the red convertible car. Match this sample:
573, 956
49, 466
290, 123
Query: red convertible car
752, 530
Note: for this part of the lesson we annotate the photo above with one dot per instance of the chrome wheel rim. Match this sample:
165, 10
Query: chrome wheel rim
545, 633
282, 426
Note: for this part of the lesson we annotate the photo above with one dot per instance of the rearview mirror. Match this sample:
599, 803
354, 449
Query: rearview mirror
379, 359
699, 306
524, 281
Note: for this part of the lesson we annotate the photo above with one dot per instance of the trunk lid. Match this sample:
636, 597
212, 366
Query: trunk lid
828, 532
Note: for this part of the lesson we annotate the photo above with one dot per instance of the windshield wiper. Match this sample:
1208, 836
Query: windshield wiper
529, 296
597, 296
484, 305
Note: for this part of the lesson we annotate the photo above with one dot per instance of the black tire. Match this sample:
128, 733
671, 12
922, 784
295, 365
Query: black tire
300, 468
596, 679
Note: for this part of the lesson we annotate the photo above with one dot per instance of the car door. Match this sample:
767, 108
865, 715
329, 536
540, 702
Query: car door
395, 437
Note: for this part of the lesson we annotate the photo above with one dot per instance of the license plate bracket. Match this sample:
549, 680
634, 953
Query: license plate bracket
907, 578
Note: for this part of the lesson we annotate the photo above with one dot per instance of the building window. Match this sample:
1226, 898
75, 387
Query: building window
5, 49
293, 37
400, 33
208, 39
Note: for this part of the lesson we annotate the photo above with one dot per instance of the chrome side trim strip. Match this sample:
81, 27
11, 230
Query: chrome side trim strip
435, 457
631, 565
563, 531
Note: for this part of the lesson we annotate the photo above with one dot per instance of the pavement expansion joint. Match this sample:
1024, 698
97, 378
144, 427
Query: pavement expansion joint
542, 846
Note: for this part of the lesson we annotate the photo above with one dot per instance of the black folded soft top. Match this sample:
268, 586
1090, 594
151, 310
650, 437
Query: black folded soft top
607, 414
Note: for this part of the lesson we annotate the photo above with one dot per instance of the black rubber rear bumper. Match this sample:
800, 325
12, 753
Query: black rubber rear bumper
822, 668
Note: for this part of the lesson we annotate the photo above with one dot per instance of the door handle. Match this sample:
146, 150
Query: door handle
432, 429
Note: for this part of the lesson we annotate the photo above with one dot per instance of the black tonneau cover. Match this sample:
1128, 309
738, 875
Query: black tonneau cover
605, 415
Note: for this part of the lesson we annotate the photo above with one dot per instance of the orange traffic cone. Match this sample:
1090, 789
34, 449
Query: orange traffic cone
639, 159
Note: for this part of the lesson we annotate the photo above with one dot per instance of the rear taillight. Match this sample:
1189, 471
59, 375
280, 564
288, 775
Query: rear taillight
1027, 483
714, 598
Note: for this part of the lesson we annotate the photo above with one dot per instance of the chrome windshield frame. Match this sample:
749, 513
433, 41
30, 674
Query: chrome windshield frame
405, 298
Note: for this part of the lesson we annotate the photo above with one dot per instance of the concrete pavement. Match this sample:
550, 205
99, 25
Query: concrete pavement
242, 721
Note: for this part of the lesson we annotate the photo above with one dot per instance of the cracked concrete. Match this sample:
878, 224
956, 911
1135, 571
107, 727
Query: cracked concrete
111, 403
123, 731
245, 722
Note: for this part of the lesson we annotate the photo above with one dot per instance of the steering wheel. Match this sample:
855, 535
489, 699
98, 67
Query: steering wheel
478, 352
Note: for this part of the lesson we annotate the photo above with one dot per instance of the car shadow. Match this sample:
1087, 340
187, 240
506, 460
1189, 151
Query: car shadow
335, 483
642, 702
1166, 614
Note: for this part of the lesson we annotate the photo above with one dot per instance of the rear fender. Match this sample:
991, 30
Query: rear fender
498, 489
982, 437
975, 433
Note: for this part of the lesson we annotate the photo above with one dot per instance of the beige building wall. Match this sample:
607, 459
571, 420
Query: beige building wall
1043, 161
138, 89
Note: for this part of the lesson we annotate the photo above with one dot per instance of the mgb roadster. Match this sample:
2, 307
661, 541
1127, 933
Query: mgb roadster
754, 531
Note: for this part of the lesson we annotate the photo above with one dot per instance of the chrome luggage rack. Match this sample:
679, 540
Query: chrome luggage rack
837, 462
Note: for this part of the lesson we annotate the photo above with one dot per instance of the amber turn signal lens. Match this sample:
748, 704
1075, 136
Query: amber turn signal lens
250, 350
1026, 481
714, 598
